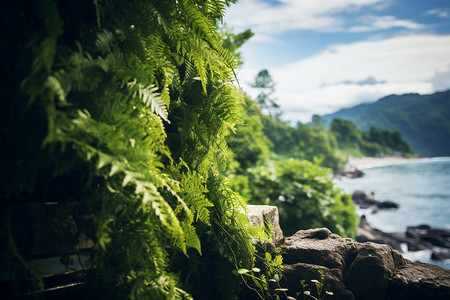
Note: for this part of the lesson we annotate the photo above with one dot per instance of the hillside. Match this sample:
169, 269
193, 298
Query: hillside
423, 120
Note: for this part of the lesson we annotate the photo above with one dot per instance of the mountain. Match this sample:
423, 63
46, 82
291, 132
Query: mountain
422, 120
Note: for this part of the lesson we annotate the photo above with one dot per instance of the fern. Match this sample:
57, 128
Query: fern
150, 98
131, 103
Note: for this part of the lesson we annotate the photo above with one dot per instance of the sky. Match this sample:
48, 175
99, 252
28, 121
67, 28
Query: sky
325, 55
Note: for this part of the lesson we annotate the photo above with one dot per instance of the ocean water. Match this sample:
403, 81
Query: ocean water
422, 188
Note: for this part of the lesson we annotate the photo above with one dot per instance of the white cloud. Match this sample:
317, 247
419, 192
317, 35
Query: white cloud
268, 20
372, 23
440, 12
401, 64
441, 80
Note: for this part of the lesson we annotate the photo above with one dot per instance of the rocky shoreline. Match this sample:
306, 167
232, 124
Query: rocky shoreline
415, 238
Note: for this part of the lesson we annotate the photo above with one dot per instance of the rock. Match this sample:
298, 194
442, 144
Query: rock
356, 270
425, 237
420, 281
440, 255
308, 272
366, 233
417, 238
388, 204
368, 200
368, 274
259, 214
350, 174
312, 247
364, 200
350, 171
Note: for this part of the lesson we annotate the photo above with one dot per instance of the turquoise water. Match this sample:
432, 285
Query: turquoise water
421, 188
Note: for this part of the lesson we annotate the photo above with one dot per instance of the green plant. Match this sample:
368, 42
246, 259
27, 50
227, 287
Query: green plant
319, 288
305, 196
266, 274
118, 111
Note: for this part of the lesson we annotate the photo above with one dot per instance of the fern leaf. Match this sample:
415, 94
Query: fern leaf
192, 239
150, 98
55, 86
104, 41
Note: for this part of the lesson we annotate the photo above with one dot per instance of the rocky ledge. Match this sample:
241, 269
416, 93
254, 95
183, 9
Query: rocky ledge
352, 270
356, 270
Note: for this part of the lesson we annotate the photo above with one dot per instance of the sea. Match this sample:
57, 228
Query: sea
421, 187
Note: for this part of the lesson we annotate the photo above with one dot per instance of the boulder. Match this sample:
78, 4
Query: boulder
368, 200
356, 270
436, 237
350, 171
364, 200
366, 233
438, 255
388, 204
258, 215
350, 174
420, 281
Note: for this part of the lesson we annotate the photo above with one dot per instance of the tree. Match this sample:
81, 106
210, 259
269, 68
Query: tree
266, 86
317, 121
346, 133
233, 41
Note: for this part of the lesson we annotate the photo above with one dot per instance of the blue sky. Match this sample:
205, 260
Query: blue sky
330, 54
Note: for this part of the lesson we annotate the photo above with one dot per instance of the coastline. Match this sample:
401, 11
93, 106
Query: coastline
361, 163
414, 217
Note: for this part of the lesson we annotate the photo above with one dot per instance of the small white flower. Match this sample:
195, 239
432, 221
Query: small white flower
307, 293
257, 270
315, 281
329, 293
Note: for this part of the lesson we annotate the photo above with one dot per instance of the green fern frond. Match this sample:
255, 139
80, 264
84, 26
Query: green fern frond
104, 41
150, 98
34, 83
105, 96
55, 86
192, 239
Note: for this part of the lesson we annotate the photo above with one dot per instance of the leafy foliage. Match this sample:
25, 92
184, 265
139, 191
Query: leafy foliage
119, 110
304, 143
233, 41
305, 196
250, 146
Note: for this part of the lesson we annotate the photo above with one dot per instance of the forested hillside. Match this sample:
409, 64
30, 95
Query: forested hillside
422, 120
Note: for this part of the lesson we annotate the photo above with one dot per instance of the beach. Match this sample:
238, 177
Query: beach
361, 163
